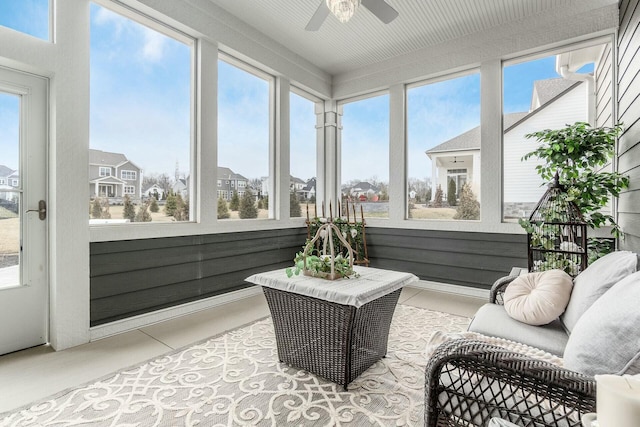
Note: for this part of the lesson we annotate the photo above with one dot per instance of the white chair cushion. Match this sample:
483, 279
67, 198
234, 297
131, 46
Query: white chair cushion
589, 285
606, 339
538, 298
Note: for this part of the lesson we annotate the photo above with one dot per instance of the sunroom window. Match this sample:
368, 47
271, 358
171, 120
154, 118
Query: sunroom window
364, 159
141, 102
443, 148
548, 91
245, 134
32, 17
302, 148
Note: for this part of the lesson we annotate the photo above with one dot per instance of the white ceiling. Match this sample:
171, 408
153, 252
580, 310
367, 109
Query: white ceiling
364, 40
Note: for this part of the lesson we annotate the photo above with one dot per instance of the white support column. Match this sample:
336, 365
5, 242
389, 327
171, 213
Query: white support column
206, 144
68, 178
321, 158
434, 177
332, 141
397, 154
475, 177
491, 142
282, 161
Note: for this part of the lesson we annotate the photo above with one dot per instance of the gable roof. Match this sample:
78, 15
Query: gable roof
364, 186
5, 171
295, 180
545, 92
226, 173
99, 157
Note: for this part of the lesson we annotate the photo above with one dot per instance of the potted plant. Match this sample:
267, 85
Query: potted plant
578, 154
324, 261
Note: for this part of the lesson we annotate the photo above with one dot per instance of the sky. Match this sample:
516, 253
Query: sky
141, 106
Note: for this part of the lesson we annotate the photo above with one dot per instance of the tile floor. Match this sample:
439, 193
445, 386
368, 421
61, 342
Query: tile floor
38, 372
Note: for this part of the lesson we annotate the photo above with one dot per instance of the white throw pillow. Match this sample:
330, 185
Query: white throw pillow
538, 298
589, 285
606, 339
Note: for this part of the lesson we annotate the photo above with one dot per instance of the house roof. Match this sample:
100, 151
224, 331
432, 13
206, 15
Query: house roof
226, 173
99, 157
295, 180
311, 184
107, 180
5, 171
364, 186
545, 92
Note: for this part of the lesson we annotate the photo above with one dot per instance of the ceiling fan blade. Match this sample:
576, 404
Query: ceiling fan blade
381, 9
318, 18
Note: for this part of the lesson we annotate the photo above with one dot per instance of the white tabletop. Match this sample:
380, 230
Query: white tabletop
356, 291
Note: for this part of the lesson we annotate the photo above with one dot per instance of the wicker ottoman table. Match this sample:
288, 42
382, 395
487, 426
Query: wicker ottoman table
333, 328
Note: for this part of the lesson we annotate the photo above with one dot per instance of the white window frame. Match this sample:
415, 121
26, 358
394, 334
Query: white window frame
15, 182
271, 80
320, 170
129, 189
104, 171
127, 174
338, 160
2, 181
106, 232
520, 58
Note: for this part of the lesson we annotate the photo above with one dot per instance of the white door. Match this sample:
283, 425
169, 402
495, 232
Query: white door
24, 288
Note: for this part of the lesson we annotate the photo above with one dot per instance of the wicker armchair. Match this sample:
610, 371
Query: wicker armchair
468, 382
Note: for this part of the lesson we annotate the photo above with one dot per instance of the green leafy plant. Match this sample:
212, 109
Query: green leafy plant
320, 265
469, 207
578, 153
352, 231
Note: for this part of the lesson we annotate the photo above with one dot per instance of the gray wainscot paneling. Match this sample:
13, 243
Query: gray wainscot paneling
629, 114
461, 258
138, 276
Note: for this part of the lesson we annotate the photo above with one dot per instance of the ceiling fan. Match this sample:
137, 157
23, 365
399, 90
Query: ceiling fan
344, 9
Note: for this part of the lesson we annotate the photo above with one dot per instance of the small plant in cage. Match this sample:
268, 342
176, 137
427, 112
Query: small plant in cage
556, 233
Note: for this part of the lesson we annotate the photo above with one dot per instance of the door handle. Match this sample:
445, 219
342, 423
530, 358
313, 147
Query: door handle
42, 210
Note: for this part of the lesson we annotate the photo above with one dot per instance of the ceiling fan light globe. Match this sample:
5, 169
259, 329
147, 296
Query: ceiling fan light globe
343, 9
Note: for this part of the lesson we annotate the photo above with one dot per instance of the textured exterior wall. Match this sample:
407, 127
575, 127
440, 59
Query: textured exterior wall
132, 277
629, 114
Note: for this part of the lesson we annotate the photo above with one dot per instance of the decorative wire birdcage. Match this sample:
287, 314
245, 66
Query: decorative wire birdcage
557, 233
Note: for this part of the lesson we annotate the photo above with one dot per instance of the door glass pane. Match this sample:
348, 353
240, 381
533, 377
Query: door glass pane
9, 190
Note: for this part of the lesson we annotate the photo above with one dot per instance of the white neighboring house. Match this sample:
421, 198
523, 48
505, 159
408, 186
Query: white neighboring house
363, 191
181, 186
554, 103
309, 190
522, 186
154, 191
9, 183
295, 184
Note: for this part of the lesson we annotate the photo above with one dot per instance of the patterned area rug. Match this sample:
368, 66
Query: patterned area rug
235, 379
